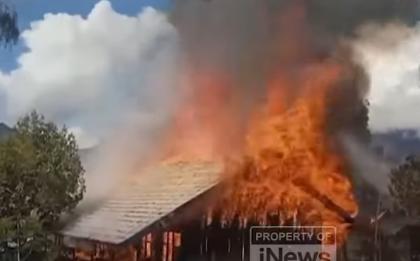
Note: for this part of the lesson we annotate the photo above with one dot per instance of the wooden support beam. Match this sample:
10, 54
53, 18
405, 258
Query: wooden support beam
326, 201
157, 245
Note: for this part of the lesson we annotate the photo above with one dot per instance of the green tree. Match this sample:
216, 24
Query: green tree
405, 186
17, 193
41, 177
58, 167
9, 31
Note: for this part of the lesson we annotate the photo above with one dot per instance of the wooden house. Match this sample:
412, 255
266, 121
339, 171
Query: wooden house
161, 215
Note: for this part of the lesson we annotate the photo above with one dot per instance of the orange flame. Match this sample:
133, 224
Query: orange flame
288, 153
287, 166
204, 126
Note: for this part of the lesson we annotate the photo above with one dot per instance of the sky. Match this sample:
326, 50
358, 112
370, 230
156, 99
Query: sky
30, 11
391, 56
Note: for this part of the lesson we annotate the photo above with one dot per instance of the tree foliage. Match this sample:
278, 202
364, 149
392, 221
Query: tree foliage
41, 177
405, 186
9, 31
58, 167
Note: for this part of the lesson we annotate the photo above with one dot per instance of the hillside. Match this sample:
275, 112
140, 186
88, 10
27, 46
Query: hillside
5, 130
398, 144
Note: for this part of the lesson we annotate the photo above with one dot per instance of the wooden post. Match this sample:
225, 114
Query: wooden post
112, 254
377, 246
157, 245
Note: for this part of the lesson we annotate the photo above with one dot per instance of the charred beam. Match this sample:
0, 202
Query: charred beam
325, 200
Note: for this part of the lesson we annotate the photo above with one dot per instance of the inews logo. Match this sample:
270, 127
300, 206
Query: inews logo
287, 243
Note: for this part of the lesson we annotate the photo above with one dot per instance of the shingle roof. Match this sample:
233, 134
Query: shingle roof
160, 190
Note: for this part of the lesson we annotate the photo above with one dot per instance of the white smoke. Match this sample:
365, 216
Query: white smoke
111, 78
391, 56
90, 72
369, 167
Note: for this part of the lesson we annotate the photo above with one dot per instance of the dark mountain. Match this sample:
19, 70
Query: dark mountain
398, 144
5, 130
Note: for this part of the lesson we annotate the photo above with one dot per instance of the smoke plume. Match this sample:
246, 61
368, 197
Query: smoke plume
251, 42
367, 166
111, 78
229, 52
210, 59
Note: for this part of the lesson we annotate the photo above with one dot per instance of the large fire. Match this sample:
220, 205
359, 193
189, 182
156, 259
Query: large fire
281, 162
289, 169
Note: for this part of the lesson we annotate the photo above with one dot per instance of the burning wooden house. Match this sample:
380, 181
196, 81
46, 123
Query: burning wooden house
158, 217
288, 168
164, 215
